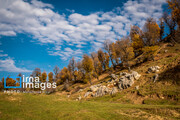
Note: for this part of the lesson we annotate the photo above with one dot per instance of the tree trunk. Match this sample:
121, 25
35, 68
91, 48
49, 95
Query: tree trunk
90, 78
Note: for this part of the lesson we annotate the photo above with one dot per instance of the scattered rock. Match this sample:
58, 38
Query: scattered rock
68, 96
136, 75
79, 98
86, 94
155, 77
165, 51
113, 91
80, 90
137, 87
153, 69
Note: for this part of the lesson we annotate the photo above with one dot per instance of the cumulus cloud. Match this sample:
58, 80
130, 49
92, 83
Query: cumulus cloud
67, 53
76, 30
8, 65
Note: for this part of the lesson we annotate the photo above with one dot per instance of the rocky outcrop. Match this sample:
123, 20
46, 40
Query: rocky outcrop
123, 73
136, 75
86, 94
102, 90
153, 69
113, 91
113, 76
94, 88
127, 80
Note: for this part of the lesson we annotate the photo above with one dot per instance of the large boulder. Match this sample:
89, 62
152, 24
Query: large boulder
113, 91
153, 69
136, 75
94, 88
86, 94
127, 80
123, 73
113, 76
102, 90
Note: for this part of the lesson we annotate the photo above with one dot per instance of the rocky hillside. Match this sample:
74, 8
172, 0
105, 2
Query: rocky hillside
151, 82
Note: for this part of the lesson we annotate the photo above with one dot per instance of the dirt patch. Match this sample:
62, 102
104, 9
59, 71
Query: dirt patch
14, 98
136, 113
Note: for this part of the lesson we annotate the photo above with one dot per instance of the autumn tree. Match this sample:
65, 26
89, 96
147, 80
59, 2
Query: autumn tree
97, 64
56, 70
149, 52
125, 51
80, 73
87, 64
151, 32
108, 46
37, 73
174, 5
72, 67
44, 76
102, 59
106, 55
171, 24
136, 39
2, 84
161, 34
50, 77
65, 74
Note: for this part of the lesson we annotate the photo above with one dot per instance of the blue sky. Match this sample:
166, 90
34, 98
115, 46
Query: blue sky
49, 32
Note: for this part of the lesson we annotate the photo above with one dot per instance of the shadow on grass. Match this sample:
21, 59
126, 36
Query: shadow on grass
172, 75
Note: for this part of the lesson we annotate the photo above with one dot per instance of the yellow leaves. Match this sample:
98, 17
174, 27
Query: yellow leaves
174, 5
44, 76
130, 53
150, 51
87, 63
151, 32
64, 74
50, 77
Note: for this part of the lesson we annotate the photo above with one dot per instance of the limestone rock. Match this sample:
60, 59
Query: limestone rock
94, 88
86, 94
79, 98
153, 69
102, 90
136, 75
123, 73
113, 91
137, 87
155, 77
113, 76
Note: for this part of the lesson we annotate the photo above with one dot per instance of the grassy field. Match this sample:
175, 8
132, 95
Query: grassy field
55, 107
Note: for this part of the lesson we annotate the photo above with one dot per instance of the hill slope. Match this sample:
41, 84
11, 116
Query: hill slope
166, 90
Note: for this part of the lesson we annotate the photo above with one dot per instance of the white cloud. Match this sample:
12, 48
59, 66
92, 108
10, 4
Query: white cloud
8, 65
76, 30
3, 55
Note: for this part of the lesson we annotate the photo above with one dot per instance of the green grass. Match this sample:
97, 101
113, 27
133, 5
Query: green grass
55, 107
